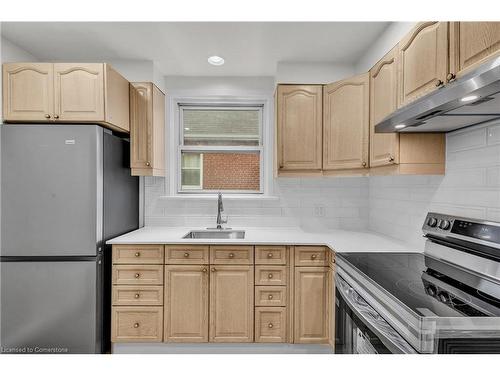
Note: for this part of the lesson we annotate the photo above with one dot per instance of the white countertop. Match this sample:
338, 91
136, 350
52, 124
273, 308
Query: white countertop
338, 240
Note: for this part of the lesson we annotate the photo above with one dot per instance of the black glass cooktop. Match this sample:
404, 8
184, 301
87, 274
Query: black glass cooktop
408, 277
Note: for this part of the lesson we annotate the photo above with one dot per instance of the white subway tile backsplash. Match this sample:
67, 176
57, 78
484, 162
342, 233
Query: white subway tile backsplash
466, 140
494, 134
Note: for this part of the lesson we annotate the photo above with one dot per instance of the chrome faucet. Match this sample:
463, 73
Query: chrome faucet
220, 210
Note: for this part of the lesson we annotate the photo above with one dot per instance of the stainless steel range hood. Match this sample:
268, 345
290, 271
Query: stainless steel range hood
470, 100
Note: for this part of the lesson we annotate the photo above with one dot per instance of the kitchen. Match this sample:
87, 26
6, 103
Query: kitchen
340, 197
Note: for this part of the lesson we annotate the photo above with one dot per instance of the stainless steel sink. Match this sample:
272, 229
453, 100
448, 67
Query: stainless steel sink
216, 234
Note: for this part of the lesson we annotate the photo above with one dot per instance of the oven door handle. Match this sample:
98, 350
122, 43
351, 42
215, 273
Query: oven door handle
388, 335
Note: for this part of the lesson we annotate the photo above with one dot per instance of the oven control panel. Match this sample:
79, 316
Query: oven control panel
438, 223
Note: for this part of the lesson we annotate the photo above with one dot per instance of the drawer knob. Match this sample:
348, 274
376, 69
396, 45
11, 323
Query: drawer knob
270, 296
439, 83
314, 256
450, 77
204, 270
391, 159
137, 255
56, 116
231, 255
270, 255
213, 269
270, 325
47, 116
186, 255
137, 275
136, 325
148, 164
363, 164
137, 295
270, 276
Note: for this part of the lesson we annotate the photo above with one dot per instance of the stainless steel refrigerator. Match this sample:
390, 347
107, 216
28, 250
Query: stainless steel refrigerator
65, 190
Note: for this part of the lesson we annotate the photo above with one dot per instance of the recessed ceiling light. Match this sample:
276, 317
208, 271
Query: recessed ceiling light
469, 98
216, 60
400, 126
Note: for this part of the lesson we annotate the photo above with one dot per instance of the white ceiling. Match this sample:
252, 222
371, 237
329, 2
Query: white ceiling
250, 49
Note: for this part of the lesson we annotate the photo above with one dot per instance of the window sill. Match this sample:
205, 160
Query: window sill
226, 197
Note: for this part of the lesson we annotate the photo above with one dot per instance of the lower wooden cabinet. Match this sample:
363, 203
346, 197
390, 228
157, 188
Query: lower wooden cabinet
311, 305
231, 303
186, 303
270, 324
137, 324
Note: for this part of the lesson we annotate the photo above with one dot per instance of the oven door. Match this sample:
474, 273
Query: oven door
359, 329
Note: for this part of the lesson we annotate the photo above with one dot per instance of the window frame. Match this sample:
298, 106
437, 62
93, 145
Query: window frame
219, 149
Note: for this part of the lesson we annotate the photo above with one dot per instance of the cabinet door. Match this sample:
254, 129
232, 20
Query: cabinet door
473, 43
311, 305
186, 303
299, 114
231, 304
346, 123
384, 148
79, 92
28, 92
141, 117
423, 60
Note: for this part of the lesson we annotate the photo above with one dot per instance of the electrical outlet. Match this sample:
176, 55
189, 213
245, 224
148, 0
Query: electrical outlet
319, 211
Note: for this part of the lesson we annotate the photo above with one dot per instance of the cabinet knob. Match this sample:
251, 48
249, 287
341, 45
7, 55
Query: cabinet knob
56, 116
314, 256
269, 275
204, 270
363, 164
47, 116
137, 296
137, 275
270, 296
231, 255
270, 255
213, 269
391, 158
137, 255
450, 77
148, 164
439, 83
136, 325
270, 325
186, 255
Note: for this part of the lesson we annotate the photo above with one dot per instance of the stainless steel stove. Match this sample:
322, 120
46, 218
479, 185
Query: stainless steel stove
444, 300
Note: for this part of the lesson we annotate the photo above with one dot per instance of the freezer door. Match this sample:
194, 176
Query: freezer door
51, 190
48, 306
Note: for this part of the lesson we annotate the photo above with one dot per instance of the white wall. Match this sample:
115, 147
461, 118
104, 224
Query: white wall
312, 73
470, 187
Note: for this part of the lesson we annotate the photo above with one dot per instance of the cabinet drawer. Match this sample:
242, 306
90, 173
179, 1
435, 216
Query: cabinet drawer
138, 274
231, 254
138, 254
270, 324
186, 254
137, 295
270, 255
270, 295
311, 256
136, 324
270, 275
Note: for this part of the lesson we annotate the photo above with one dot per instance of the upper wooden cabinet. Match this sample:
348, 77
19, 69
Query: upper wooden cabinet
346, 123
423, 60
147, 129
299, 122
472, 43
65, 93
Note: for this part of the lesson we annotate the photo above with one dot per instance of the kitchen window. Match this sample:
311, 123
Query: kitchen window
220, 149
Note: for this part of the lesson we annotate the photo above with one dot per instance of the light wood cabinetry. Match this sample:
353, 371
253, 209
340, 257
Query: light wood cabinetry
417, 153
311, 256
186, 303
147, 129
231, 303
423, 60
137, 293
299, 127
28, 92
270, 324
271, 275
472, 43
271, 255
181, 254
270, 295
65, 93
346, 123
231, 254
311, 305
